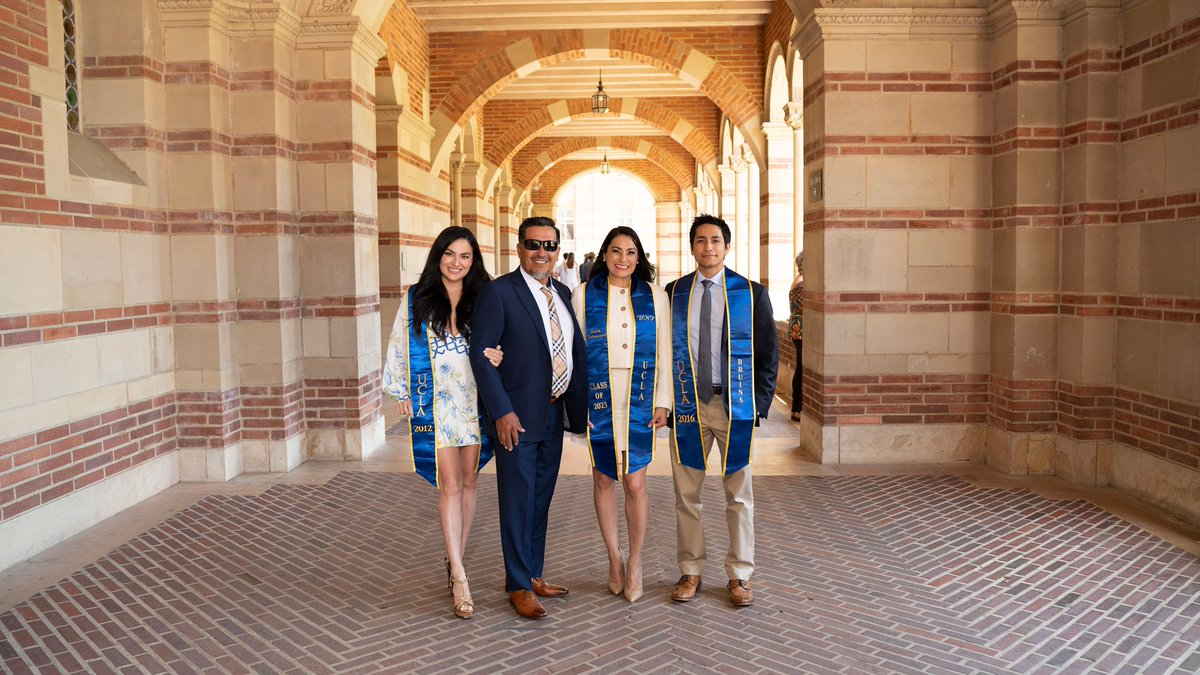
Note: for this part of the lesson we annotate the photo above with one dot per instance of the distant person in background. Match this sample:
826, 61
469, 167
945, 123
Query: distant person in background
568, 271
585, 268
796, 330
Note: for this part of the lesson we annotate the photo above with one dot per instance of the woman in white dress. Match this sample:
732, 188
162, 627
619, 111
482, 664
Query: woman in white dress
568, 271
427, 356
629, 380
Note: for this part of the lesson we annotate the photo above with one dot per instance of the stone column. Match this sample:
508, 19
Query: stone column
474, 207
456, 167
541, 210
505, 229
897, 243
200, 201
392, 239
795, 121
739, 258
1087, 327
668, 216
339, 237
1027, 178
728, 198
267, 270
778, 215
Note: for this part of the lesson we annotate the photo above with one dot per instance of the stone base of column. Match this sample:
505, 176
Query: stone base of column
1020, 453
892, 443
1152, 479
277, 456
211, 465
345, 444
1081, 461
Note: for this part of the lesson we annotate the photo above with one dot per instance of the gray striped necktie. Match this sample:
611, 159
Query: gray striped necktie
704, 382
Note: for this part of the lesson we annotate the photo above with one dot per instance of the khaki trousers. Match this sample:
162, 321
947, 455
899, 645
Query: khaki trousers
739, 502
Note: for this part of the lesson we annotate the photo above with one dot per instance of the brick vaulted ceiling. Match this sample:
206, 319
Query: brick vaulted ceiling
716, 27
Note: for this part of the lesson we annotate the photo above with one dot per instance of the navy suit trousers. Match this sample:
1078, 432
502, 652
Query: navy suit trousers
525, 480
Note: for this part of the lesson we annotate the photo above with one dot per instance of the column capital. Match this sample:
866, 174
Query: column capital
388, 114
738, 164
794, 115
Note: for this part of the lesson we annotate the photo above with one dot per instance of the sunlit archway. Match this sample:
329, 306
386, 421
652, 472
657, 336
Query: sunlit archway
590, 205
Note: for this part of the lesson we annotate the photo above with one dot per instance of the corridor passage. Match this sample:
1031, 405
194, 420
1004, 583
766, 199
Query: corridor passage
336, 567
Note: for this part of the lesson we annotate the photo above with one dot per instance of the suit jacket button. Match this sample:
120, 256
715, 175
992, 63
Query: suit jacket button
624, 346
624, 325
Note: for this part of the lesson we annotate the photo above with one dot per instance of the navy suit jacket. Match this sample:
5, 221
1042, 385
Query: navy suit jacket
507, 314
766, 348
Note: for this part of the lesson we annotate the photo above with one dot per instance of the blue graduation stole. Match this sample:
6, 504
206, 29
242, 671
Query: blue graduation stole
422, 426
739, 378
601, 439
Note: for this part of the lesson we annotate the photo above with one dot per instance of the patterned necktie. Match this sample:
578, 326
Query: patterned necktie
558, 348
704, 383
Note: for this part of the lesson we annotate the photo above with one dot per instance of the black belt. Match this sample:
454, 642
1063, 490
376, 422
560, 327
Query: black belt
554, 400
718, 389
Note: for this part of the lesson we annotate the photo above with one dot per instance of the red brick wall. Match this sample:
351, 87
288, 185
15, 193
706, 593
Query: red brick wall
779, 26
408, 47
22, 41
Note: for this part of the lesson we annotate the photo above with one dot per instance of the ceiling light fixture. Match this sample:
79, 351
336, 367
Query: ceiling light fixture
600, 99
604, 165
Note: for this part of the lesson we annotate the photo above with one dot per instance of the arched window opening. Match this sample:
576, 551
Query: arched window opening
593, 204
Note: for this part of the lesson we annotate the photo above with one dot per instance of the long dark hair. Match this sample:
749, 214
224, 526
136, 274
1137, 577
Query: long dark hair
431, 303
643, 270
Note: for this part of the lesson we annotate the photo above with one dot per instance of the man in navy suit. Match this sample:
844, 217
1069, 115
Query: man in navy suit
539, 391
723, 386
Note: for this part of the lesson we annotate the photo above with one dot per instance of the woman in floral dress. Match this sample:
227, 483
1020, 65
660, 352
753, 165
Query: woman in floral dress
427, 356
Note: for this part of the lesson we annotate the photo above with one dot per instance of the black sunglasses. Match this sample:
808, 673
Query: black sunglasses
534, 244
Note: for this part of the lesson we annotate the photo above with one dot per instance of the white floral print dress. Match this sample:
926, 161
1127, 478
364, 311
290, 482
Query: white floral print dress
456, 404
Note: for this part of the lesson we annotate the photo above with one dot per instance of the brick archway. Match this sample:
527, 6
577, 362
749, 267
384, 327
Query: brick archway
492, 73
520, 133
525, 173
660, 184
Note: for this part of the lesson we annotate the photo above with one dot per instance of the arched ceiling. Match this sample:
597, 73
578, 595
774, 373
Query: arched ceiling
571, 43
474, 15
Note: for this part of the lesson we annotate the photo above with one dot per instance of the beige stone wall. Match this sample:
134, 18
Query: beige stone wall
221, 312
1008, 230
898, 250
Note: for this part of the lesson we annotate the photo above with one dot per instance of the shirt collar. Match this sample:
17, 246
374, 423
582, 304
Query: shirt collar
533, 283
716, 279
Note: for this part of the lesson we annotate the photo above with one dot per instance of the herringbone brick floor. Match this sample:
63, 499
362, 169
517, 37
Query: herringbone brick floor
856, 574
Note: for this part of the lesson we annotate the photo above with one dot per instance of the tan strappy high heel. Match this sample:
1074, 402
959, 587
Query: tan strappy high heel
464, 607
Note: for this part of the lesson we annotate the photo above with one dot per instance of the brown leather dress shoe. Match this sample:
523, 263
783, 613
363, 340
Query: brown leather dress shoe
548, 590
686, 588
526, 604
740, 594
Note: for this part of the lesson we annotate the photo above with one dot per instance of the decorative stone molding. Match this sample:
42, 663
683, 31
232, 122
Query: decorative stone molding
339, 32
388, 114
870, 22
333, 6
1003, 15
231, 17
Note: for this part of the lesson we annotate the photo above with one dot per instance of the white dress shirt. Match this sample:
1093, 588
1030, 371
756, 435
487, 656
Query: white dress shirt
564, 317
718, 320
